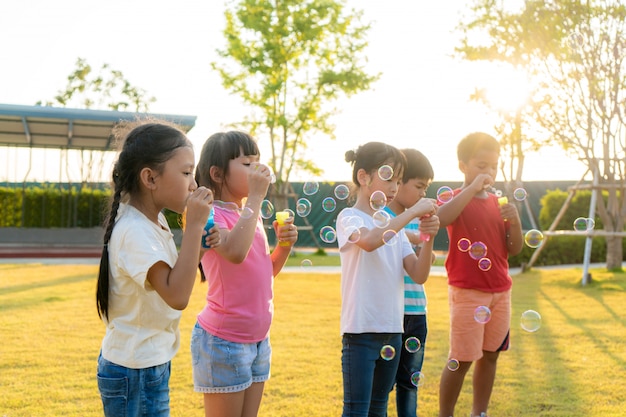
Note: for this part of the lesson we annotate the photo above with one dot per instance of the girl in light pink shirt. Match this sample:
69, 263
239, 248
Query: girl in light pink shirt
230, 343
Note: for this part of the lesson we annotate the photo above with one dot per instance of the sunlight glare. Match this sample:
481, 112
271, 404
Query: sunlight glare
506, 88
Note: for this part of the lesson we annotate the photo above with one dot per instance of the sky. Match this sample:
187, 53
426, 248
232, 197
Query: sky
164, 47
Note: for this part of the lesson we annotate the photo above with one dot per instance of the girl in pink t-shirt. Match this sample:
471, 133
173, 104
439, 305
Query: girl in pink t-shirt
230, 343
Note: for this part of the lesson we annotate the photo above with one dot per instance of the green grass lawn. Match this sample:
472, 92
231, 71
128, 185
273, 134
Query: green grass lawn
572, 366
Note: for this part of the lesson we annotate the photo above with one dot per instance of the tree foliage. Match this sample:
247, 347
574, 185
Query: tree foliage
289, 61
574, 51
105, 89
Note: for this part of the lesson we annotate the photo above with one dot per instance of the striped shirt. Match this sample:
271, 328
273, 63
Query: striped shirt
414, 293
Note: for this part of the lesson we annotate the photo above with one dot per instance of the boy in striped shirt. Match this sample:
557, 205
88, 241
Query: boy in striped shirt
417, 177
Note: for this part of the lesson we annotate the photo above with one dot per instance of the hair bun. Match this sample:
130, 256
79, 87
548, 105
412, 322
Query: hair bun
350, 156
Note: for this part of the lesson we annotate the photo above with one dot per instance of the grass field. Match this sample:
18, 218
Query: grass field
572, 366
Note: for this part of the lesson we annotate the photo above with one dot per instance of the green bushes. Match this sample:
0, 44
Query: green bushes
564, 249
47, 206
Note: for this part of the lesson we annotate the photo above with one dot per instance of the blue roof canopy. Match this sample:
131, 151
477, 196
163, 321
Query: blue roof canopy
65, 128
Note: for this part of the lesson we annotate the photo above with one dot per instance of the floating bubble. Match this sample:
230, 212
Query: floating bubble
310, 187
498, 193
328, 234
390, 237
354, 221
226, 205
267, 209
246, 212
453, 364
484, 264
385, 172
353, 233
381, 219
533, 238
464, 244
417, 379
482, 314
583, 224
306, 263
378, 200
303, 207
387, 352
342, 192
531, 321
574, 41
329, 204
444, 194
477, 250
520, 194
272, 175
291, 213
412, 344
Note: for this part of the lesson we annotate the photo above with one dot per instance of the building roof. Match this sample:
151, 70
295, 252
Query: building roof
65, 128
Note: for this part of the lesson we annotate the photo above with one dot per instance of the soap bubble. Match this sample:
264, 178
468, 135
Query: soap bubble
385, 172
387, 352
520, 194
482, 314
412, 344
444, 194
310, 187
342, 192
531, 321
533, 238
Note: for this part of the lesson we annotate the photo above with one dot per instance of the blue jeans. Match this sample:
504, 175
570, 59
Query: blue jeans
367, 377
406, 391
129, 392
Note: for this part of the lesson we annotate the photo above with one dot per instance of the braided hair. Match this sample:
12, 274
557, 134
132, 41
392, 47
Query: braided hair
143, 144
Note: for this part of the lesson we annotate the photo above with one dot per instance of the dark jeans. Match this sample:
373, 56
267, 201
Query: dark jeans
406, 391
367, 377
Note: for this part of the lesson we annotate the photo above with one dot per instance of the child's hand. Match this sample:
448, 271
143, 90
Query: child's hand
509, 213
286, 234
429, 225
199, 205
214, 238
482, 182
259, 178
424, 207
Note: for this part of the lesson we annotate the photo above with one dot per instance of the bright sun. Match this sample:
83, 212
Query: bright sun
507, 88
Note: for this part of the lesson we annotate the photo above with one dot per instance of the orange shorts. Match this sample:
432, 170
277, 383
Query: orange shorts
468, 336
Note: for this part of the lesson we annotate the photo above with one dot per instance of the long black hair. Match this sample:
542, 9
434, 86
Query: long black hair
148, 144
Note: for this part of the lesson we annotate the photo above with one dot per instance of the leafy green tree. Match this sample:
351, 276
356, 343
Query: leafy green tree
106, 89
289, 61
574, 50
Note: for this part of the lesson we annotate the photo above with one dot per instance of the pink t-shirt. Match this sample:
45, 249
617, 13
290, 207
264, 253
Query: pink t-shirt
240, 296
480, 221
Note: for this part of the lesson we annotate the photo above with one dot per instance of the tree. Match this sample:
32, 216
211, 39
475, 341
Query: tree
288, 61
574, 50
106, 89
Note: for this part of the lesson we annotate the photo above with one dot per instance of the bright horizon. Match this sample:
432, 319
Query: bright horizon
421, 100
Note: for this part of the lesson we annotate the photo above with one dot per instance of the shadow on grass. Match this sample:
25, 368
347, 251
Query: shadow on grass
541, 349
35, 296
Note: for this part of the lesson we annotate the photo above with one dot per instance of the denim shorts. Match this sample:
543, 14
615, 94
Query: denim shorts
127, 392
221, 366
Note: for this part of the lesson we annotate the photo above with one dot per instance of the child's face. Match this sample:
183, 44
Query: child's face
387, 184
411, 192
236, 184
483, 162
176, 182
